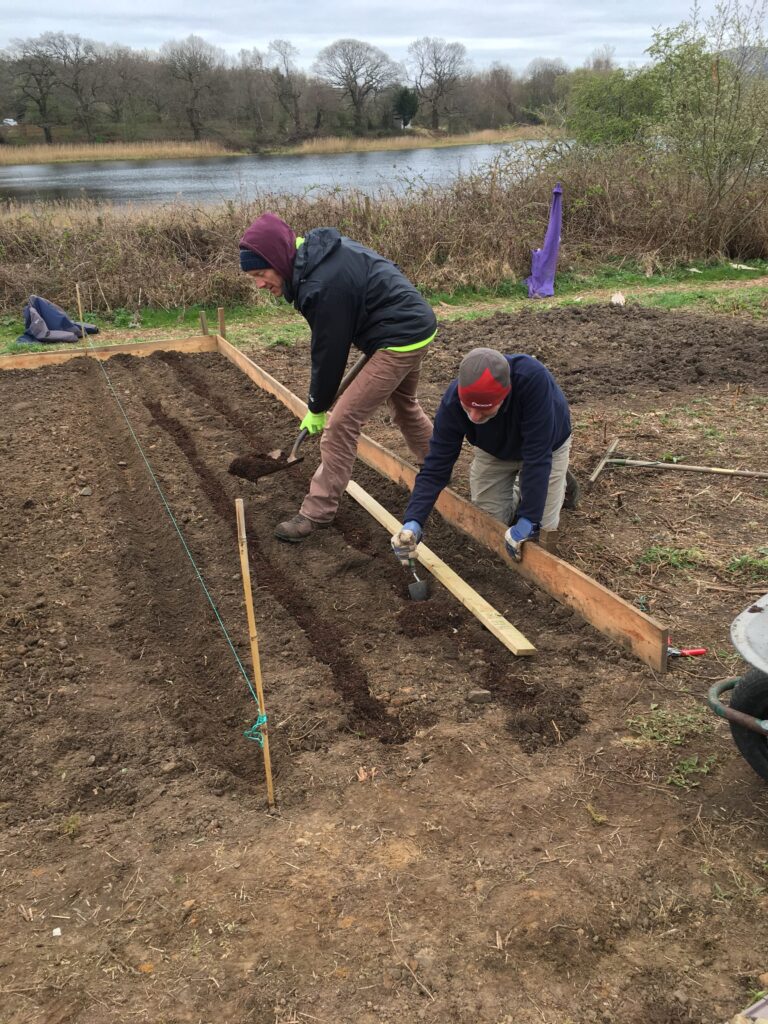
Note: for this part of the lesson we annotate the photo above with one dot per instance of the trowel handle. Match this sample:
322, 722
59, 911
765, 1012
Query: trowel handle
294, 454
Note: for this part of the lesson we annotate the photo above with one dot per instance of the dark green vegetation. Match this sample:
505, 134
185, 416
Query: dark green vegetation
701, 78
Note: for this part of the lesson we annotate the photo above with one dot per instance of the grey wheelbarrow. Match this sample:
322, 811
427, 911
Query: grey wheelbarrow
747, 709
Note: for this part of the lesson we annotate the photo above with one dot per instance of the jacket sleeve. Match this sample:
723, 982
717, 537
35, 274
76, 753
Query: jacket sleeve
444, 449
332, 317
538, 427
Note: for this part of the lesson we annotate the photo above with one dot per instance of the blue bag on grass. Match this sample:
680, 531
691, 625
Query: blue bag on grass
46, 322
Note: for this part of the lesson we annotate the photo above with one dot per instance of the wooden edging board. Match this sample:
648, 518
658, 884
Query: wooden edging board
34, 360
610, 614
484, 612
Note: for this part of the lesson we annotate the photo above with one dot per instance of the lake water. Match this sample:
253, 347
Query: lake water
216, 179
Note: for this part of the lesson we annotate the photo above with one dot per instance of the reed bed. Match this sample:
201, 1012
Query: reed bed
477, 232
417, 139
41, 154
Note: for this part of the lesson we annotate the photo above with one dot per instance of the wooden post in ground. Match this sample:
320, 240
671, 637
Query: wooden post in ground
246, 572
80, 314
203, 322
222, 325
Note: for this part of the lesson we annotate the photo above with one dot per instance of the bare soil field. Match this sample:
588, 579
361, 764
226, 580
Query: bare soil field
586, 847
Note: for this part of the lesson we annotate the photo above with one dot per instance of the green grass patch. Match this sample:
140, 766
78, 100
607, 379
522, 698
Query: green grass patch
745, 301
755, 566
685, 771
674, 558
276, 323
632, 275
671, 728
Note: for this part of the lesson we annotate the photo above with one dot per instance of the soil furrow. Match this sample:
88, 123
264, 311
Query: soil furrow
327, 639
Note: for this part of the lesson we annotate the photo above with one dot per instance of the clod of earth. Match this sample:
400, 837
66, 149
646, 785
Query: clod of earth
254, 467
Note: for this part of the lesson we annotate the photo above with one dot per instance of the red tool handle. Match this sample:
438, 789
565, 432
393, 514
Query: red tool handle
686, 652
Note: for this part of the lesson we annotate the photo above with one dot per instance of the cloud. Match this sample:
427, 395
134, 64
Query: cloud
491, 30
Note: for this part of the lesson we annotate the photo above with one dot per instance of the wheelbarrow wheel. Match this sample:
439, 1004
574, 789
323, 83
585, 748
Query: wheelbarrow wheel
750, 695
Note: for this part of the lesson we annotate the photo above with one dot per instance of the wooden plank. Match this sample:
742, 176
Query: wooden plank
610, 614
606, 611
262, 378
484, 612
34, 360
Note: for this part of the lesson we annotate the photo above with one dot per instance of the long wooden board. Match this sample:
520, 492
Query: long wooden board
646, 637
484, 612
35, 360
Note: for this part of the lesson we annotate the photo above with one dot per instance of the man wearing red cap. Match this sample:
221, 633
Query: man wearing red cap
349, 295
512, 411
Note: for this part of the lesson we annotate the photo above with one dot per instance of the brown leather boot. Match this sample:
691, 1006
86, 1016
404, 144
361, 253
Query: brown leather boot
297, 529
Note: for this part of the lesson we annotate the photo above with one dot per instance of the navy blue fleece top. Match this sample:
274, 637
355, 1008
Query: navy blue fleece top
533, 421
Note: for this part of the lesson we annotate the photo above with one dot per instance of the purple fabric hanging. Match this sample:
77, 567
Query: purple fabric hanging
541, 283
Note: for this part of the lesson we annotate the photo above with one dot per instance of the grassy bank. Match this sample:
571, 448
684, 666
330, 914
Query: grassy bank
417, 139
40, 154
476, 233
719, 289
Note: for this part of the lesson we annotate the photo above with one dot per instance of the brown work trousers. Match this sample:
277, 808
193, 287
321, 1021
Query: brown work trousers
390, 377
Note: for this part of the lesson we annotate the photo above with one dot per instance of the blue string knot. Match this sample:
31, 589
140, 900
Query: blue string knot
256, 731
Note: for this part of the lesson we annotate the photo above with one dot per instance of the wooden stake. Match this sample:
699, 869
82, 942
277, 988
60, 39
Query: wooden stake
203, 322
80, 313
222, 325
243, 545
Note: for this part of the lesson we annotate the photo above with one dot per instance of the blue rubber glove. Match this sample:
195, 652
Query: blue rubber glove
314, 422
406, 540
517, 535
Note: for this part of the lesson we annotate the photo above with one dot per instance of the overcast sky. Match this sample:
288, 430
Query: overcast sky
492, 30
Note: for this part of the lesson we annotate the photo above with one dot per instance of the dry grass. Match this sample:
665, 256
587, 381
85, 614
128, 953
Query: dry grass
419, 139
476, 232
41, 154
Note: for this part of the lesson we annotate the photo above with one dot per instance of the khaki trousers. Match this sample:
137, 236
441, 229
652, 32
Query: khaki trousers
495, 485
390, 377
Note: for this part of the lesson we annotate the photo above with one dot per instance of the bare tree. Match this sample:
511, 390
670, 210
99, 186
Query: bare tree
287, 82
121, 81
193, 63
437, 68
36, 76
601, 60
359, 71
79, 71
153, 88
253, 81
541, 79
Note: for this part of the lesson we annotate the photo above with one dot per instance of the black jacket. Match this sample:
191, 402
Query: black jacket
351, 295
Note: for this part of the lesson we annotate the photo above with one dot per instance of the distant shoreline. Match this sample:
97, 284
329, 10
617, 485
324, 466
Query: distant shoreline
12, 155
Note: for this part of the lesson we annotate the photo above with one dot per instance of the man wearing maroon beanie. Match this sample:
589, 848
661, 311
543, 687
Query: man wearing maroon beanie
349, 295
512, 411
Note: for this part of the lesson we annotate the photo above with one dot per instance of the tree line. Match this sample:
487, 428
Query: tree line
74, 89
